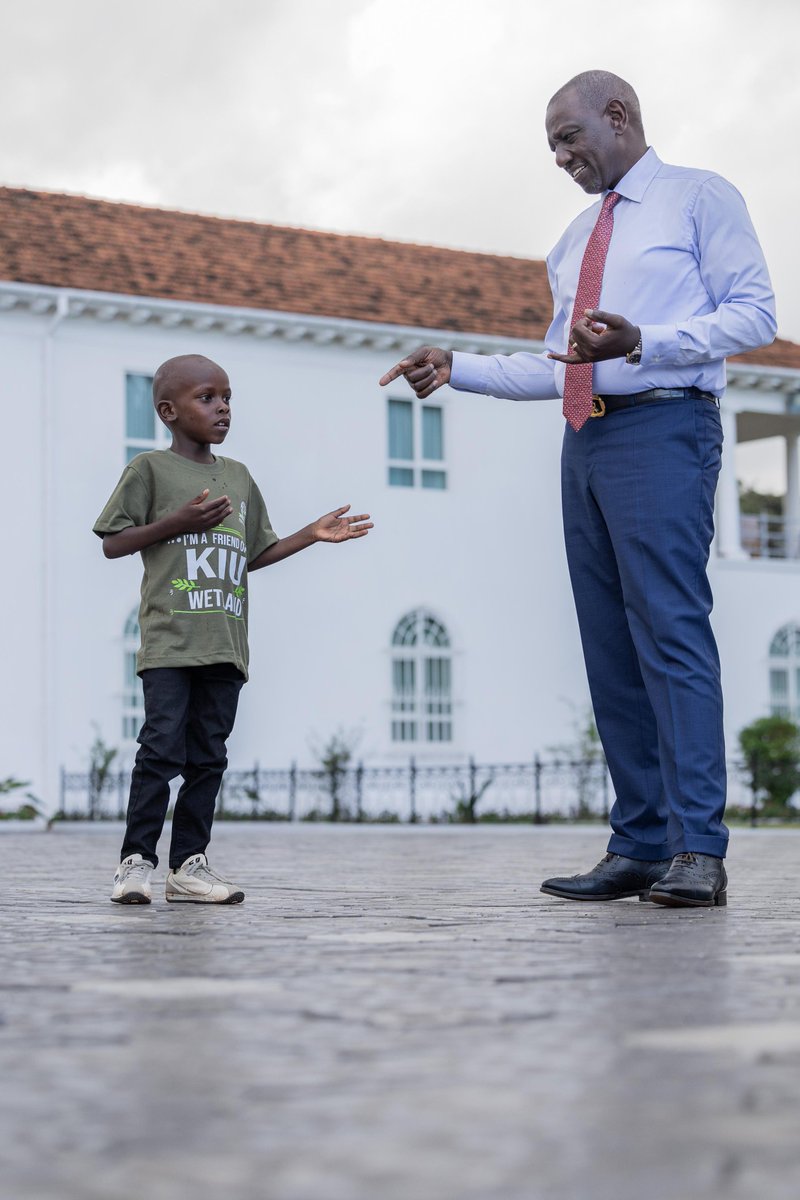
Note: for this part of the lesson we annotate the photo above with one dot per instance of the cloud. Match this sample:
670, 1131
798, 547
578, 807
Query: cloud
412, 119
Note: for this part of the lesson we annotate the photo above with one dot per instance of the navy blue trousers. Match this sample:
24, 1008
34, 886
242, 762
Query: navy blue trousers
188, 716
638, 502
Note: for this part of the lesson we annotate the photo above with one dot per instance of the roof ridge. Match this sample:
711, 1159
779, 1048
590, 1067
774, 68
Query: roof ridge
251, 222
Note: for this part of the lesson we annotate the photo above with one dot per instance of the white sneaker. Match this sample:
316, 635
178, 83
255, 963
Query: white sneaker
132, 881
195, 883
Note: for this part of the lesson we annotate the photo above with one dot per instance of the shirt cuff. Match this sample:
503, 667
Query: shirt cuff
659, 345
469, 372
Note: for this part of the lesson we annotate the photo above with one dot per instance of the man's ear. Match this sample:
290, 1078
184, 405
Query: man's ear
617, 113
166, 411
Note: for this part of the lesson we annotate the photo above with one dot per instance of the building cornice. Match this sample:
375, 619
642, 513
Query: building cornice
755, 378
106, 307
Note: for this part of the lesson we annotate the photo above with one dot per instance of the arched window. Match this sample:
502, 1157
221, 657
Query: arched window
422, 705
132, 694
784, 672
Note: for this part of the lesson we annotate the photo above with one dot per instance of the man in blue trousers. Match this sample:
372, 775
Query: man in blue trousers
673, 249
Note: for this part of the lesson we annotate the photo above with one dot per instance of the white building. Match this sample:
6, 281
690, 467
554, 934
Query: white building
450, 630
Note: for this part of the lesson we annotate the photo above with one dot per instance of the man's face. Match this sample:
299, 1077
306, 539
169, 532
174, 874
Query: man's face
585, 142
200, 402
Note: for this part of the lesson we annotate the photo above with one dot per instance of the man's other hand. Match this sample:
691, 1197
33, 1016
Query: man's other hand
599, 335
425, 369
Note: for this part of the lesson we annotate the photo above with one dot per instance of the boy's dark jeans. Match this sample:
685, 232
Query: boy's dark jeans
188, 716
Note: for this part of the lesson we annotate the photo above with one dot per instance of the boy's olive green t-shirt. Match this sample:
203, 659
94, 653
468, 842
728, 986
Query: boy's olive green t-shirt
194, 590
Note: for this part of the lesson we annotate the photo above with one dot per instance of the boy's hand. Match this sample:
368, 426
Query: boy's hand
336, 527
195, 517
201, 514
333, 527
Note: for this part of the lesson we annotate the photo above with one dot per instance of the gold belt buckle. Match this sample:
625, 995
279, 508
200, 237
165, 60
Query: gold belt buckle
598, 407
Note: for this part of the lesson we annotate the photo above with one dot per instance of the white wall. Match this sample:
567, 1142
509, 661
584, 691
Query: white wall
485, 556
310, 421
754, 599
24, 587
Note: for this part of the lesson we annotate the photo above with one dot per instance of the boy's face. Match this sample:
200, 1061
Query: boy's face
198, 406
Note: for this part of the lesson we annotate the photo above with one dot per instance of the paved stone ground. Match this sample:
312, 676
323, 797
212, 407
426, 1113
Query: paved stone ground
396, 1014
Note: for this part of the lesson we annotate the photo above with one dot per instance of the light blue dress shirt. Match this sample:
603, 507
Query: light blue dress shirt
684, 264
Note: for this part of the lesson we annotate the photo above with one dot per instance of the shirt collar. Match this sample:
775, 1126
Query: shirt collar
635, 183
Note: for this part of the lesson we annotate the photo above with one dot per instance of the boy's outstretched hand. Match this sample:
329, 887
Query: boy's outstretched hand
336, 527
333, 527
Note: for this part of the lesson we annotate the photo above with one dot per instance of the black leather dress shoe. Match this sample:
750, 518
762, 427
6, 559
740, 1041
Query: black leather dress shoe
612, 879
697, 880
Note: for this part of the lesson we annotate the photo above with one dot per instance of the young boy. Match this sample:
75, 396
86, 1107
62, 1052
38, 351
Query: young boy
200, 524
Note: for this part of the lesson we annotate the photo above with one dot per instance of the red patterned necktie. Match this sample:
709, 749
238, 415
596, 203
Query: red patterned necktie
578, 376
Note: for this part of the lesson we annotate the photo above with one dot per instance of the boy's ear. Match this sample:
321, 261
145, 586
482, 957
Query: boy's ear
166, 411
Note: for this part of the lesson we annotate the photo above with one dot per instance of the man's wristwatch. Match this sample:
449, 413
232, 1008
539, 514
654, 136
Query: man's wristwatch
634, 356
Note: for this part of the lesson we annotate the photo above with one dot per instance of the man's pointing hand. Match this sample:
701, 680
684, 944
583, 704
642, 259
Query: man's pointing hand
599, 335
425, 369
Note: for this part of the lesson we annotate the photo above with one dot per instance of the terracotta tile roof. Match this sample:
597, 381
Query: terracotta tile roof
781, 353
96, 245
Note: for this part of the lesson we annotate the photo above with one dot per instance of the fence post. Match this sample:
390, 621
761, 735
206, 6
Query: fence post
605, 789
359, 791
62, 792
120, 795
754, 775
537, 790
256, 789
412, 791
221, 798
293, 791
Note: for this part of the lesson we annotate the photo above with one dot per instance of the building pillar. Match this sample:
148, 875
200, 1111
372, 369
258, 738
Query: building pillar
792, 508
729, 526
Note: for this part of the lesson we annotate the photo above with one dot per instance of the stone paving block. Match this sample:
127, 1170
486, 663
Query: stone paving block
396, 1014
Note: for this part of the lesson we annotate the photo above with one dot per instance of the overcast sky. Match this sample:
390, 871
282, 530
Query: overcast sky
413, 119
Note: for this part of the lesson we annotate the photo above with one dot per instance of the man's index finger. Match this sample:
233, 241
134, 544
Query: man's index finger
399, 369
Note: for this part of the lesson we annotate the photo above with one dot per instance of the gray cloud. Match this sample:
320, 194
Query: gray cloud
414, 119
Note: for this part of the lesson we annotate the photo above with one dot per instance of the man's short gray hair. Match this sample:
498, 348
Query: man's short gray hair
597, 88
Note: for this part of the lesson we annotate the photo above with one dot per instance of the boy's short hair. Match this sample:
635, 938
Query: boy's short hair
170, 371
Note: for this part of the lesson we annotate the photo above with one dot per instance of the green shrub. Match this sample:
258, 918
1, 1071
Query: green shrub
771, 748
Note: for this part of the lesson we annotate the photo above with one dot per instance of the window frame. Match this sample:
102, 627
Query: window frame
421, 648
161, 439
418, 466
783, 664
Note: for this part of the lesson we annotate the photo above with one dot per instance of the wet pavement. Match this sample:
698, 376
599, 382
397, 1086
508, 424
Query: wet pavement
395, 1014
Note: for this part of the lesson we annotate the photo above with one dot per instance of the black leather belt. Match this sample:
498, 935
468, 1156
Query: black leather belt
608, 404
